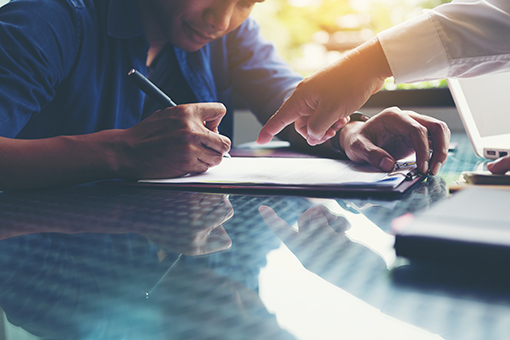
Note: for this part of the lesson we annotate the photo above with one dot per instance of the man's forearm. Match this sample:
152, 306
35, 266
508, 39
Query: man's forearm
59, 160
373, 59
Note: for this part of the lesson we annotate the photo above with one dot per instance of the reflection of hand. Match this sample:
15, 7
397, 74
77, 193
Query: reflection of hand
319, 231
395, 134
197, 231
173, 142
499, 166
322, 102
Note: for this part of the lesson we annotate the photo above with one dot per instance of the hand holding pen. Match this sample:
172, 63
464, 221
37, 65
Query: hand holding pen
155, 93
173, 141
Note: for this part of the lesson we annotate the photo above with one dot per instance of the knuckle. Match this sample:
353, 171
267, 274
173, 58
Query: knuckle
421, 131
220, 107
442, 126
199, 165
227, 143
203, 167
312, 128
389, 114
215, 160
391, 111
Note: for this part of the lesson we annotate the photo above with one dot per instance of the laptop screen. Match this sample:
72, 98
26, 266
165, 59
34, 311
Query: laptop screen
488, 98
484, 106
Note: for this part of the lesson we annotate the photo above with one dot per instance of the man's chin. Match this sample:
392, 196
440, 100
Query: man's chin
190, 47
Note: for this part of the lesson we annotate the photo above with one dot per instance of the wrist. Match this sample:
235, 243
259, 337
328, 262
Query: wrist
338, 141
372, 56
115, 152
104, 152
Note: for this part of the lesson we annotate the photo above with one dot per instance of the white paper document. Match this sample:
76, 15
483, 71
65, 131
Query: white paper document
291, 171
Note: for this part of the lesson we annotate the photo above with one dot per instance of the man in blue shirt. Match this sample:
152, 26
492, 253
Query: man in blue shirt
68, 113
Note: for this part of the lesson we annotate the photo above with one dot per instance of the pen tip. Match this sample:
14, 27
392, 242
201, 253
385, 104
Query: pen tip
131, 71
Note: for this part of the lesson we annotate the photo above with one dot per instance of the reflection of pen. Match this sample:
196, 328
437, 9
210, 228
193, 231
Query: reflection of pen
150, 89
153, 91
172, 266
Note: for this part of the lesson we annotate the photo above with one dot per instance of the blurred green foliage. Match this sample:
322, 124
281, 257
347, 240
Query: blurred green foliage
291, 24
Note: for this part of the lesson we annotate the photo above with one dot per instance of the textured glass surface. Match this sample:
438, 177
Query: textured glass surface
108, 261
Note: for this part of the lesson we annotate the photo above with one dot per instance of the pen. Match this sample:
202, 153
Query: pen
150, 89
153, 91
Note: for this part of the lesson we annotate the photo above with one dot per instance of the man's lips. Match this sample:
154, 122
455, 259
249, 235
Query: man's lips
198, 34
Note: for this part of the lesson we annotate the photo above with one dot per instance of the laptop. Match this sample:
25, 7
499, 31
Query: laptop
484, 107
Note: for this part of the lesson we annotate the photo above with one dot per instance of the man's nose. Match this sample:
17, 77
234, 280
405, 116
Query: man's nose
219, 15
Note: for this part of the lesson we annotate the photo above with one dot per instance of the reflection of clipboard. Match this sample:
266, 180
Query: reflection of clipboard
314, 180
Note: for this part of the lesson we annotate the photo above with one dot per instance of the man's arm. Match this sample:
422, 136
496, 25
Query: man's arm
450, 41
368, 59
170, 143
454, 40
321, 103
60, 160
387, 137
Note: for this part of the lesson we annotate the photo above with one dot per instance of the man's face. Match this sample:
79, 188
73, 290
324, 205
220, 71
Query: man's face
190, 24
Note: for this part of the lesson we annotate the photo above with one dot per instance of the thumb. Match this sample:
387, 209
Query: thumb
326, 118
371, 153
212, 114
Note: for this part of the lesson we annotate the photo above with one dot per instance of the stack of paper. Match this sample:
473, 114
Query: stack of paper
292, 172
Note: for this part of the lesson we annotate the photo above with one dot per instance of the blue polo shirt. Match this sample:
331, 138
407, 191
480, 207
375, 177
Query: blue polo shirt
64, 65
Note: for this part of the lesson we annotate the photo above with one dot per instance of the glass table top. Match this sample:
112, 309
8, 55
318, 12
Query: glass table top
106, 261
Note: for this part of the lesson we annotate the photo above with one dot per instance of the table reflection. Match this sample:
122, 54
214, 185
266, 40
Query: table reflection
77, 262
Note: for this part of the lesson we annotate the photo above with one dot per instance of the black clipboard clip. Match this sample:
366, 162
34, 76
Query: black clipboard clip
410, 175
414, 173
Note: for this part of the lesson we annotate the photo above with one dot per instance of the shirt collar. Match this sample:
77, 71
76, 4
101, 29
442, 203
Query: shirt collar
124, 19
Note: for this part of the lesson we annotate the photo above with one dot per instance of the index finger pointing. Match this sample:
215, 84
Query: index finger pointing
288, 113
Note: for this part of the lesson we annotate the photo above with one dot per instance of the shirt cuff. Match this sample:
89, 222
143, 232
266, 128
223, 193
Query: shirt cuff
414, 51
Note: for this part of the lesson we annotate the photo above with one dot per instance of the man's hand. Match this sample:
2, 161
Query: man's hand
174, 142
321, 103
499, 166
319, 231
171, 142
394, 134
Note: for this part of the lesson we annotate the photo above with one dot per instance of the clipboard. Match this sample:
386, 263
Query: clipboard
290, 190
312, 188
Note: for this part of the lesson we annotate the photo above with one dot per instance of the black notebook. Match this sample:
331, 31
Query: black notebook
472, 227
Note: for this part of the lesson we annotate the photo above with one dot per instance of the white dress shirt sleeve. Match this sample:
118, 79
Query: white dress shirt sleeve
459, 39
